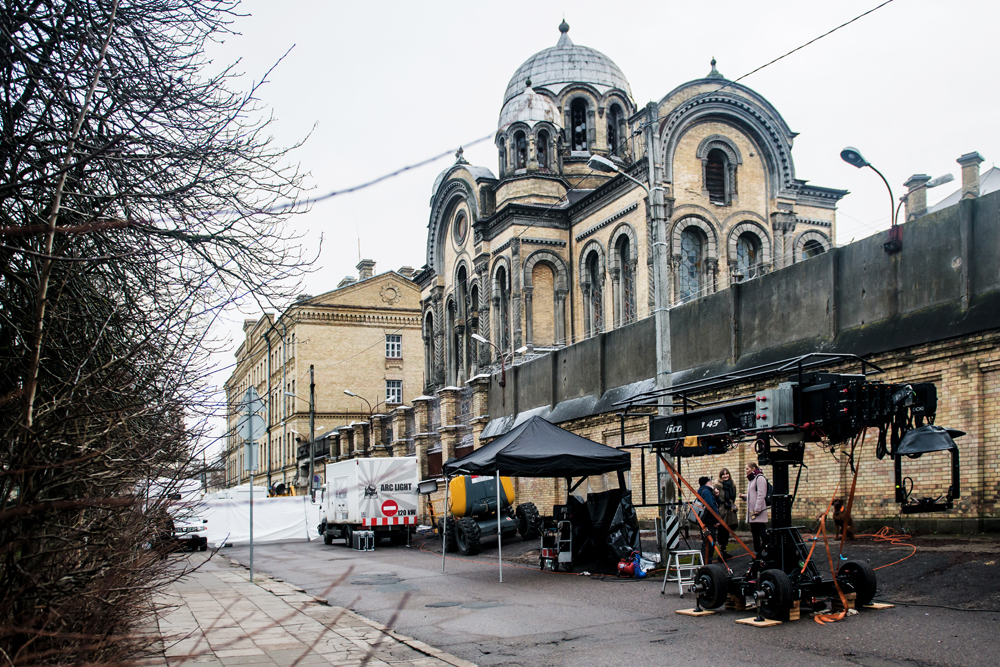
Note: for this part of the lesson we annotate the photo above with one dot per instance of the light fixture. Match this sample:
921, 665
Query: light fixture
602, 164
350, 393
480, 339
852, 156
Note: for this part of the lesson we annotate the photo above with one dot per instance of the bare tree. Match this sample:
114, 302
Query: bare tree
140, 194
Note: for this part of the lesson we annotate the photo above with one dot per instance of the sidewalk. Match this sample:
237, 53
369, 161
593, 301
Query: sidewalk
215, 616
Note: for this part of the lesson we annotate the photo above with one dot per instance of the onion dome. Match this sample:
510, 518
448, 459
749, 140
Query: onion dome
529, 107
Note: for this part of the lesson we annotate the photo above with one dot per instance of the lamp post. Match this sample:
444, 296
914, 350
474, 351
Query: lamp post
654, 195
312, 428
503, 367
371, 411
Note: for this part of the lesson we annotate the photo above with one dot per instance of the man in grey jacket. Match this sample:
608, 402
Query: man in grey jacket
756, 504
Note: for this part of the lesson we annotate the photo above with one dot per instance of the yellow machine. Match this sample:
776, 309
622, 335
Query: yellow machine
472, 507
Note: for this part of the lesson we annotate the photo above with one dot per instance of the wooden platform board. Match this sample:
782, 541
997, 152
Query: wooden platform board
879, 605
692, 612
766, 623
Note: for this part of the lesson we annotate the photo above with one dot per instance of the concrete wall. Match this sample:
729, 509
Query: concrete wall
857, 299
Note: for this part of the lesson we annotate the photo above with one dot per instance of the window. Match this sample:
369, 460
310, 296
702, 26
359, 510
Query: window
394, 391
503, 157
715, 177
595, 310
542, 149
578, 120
460, 228
520, 151
615, 122
691, 255
747, 257
394, 346
628, 314
812, 248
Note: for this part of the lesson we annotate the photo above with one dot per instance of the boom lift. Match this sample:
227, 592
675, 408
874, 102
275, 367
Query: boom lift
809, 405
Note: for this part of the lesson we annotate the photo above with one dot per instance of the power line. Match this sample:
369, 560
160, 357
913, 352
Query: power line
811, 41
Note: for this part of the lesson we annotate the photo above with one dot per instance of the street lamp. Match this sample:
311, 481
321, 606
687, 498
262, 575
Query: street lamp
606, 166
371, 411
312, 429
503, 367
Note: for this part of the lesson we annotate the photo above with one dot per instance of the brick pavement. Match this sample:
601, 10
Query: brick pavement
216, 616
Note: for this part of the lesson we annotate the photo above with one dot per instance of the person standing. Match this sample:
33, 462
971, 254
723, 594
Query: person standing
756, 497
706, 494
725, 489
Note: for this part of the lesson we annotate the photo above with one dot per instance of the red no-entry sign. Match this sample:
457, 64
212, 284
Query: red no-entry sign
389, 508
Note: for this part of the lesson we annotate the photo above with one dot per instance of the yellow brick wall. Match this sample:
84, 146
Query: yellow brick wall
543, 305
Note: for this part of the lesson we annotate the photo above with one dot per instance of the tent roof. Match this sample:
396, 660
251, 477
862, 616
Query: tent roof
538, 448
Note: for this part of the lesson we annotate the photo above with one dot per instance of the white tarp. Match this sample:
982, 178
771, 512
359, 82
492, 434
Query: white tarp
279, 519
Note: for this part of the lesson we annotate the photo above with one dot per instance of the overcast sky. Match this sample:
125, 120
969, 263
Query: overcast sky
381, 85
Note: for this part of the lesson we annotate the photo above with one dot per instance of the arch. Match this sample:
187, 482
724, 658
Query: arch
542, 149
558, 268
579, 123
616, 133
428, 336
751, 115
719, 142
614, 265
802, 239
519, 145
712, 248
592, 272
560, 284
749, 227
500, 280
502, 149
443, 204
450, 347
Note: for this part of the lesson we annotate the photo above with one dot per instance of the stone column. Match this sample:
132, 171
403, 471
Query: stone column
459, 342
529, 337
532, 154
560, 323
347, 442
376, 447
616, 295
782, 225
400, 445
515, 291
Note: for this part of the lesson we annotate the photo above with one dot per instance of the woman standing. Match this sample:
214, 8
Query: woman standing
725, 489
756, 497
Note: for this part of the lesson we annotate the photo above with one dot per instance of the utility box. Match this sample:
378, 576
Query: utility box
774, 407
363, 540
377, 495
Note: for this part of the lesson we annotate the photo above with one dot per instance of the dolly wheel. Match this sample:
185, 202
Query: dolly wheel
712, 584
859, 577
776, 588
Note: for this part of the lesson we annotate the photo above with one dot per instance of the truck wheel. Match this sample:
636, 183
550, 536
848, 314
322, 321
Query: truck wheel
778, 588
327, 538
467, 536
528, 521
397, 539
713, 581
859, 577
347, 534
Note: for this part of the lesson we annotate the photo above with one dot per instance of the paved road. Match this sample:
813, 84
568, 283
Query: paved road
541, 618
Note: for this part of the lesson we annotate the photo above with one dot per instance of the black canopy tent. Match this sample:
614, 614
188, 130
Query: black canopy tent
538, 448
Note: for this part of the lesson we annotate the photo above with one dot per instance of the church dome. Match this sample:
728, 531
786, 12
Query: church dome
529, 107
564, 64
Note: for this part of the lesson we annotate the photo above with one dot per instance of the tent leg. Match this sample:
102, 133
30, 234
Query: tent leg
499, 537
444, 524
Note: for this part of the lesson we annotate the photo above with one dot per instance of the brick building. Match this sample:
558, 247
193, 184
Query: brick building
362, 337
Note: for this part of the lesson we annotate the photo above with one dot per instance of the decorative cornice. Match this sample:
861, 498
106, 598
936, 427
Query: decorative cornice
500, 248
359, 318
549, 242
607, 221
809, 221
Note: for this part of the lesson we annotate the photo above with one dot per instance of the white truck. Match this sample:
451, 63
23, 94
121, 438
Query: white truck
378, 494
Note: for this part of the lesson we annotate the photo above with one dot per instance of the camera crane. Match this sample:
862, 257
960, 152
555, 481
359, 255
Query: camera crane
809, 405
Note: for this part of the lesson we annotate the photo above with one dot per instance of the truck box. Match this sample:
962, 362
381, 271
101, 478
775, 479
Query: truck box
378, 494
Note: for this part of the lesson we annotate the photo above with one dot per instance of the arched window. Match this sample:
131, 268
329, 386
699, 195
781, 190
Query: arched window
451, 347
715, 176
503, 308
462, 341
503, 157
520, 150
748, 257
578, 120
460, 228
627, 305
615, 126
595, 299
811, 248
428, 336
542, 149
692, 254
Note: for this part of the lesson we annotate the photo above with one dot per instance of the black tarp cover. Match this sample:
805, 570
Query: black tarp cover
538, 448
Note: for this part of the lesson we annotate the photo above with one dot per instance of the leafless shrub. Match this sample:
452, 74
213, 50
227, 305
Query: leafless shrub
139, 196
